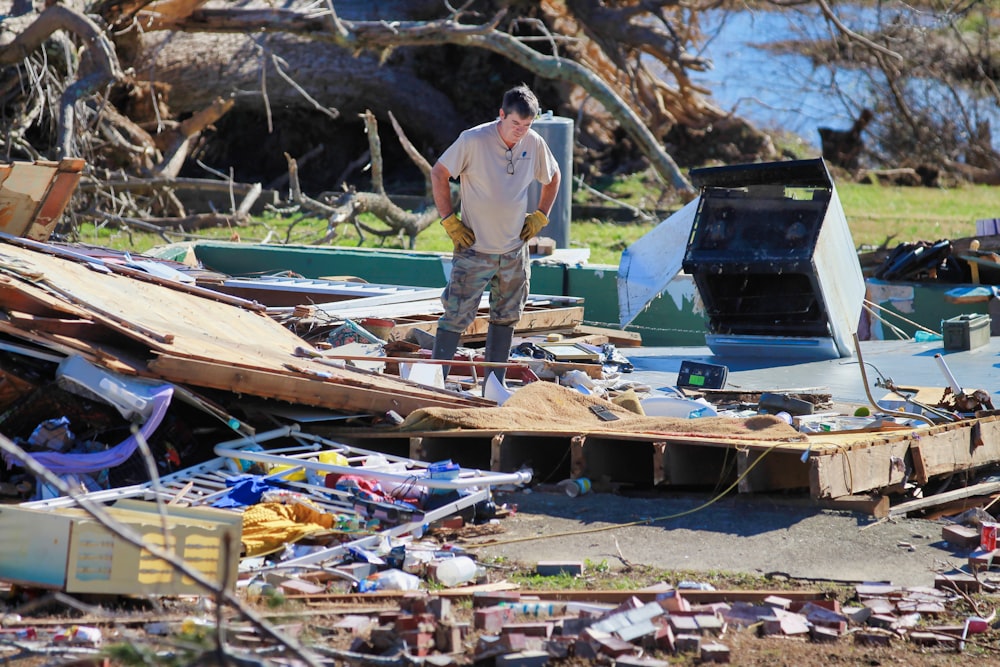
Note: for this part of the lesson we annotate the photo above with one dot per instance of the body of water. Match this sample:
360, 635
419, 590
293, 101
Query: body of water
786, 91
777, 91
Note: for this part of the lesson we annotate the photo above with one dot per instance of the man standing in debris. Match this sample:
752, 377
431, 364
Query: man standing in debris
495, 163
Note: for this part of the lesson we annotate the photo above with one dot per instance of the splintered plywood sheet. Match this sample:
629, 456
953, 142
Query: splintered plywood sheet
196, 327
184, 326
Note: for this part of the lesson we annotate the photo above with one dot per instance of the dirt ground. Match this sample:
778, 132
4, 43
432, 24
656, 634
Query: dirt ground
780, 536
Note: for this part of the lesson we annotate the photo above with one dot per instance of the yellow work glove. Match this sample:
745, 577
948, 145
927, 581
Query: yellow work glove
461, 236
533, 223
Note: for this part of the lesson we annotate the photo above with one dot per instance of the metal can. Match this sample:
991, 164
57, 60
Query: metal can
575, 487
988, 536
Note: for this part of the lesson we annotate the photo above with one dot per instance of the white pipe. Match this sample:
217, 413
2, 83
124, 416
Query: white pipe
952, 382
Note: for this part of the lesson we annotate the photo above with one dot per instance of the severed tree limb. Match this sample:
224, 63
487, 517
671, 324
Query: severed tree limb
375, 148
380, 35
179, 139
282, 180
414, 155
351, 204
100, 50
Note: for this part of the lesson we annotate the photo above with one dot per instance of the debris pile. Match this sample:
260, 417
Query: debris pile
658, 625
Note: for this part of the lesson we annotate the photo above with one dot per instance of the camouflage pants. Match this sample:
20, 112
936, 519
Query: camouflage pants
472, 272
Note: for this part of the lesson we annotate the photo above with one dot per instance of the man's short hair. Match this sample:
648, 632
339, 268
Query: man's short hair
521, 101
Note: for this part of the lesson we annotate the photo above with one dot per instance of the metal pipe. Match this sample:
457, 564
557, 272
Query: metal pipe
467, 477
871, 399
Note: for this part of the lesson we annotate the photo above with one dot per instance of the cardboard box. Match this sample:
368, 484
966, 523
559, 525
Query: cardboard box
68, 549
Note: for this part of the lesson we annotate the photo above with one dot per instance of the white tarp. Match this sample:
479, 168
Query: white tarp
648, 265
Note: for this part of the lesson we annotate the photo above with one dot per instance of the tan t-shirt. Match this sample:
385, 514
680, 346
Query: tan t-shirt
494, 202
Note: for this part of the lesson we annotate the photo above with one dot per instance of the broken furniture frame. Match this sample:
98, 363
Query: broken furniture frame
418, 471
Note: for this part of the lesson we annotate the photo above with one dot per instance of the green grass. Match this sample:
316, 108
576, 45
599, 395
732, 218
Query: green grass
877, 215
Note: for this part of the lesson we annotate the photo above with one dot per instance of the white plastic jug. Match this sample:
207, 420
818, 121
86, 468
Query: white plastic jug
455, 571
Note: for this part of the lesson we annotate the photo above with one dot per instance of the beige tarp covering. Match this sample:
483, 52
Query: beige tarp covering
544, 406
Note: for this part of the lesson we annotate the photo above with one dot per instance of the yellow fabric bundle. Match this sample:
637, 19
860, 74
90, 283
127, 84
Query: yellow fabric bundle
268, 527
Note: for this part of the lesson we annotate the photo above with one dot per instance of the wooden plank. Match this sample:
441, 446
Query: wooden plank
56, 199
874, 505
846, 472
616, 336
27, 298
957, 447
298, 388
22, 193
982, 489
846, 464
534, 319
75, 328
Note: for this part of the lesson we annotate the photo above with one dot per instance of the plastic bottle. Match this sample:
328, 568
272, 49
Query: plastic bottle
390, 580
454, 571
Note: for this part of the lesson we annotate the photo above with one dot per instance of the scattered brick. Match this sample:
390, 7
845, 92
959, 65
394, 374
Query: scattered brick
614, 647
688, 643
440, 607
523, 659
418, 642
513, 641
818, 633
981, 560
673, 602
932, 639
584, 650
966, 583
872, 638
714, 652
537, 629
449, 636
882, 620
634, 631
785, 623
663, 638
710, 623
684, 625
491, 619
963, 537
636, 661
778, 602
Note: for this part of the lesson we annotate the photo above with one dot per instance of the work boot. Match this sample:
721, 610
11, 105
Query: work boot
445, 344
498, 340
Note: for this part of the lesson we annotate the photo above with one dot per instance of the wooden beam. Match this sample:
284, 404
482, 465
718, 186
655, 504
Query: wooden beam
300, 389
875, 505
866, 466
616, 336
960, 446
983, 489
75, 328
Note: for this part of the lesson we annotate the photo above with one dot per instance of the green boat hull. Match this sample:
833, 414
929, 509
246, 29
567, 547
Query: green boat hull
671, 320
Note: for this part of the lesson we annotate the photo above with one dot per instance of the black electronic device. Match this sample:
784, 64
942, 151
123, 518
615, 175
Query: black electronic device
700, 375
